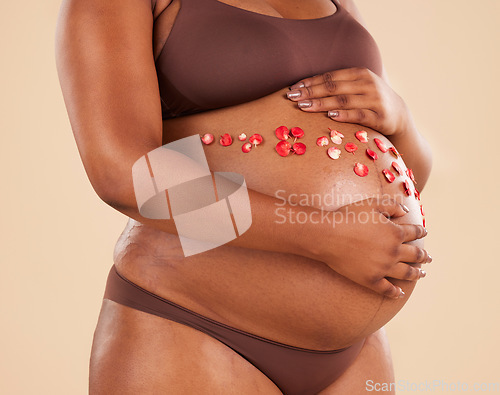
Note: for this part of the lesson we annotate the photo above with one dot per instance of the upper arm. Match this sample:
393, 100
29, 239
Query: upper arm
107, 74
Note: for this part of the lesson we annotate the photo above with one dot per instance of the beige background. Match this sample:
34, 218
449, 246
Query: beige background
57, 237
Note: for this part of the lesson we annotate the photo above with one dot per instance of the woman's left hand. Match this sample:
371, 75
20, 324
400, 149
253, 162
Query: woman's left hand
355, 95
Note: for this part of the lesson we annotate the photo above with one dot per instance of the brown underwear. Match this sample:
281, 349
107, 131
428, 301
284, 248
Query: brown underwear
294, 370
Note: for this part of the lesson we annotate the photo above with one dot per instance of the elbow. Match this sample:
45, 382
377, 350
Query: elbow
108, 192
111, 186
111, 197
111, 175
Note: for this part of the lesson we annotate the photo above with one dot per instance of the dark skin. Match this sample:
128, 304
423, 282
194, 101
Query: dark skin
361, 97
101, 47
106, 134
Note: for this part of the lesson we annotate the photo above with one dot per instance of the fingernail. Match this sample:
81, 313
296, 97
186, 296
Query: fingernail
423, 273
333, 114
402, 294
298, 85
405, 208
293, 94
429, 258
425, 232
305, 104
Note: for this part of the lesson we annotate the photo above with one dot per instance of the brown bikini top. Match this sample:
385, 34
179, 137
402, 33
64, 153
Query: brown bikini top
218, 55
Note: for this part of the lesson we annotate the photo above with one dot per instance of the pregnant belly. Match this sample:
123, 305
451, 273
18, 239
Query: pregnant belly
283, 297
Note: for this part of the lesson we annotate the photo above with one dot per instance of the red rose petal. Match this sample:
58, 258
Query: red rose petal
397, 168
372, 154
246, 147
242, 137
381, 146
322, 141
282, 133
336, 136
388, 175
334, 132
362, 136
283, 148
226, 140
410, 174
334, 152
406, 187
299, 148
423, 222
297, 132
422, 210
394, 152
255, 139
207, 138
351, 147
360, 169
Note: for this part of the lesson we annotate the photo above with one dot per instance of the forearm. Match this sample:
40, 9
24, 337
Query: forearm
415, 150
269, 229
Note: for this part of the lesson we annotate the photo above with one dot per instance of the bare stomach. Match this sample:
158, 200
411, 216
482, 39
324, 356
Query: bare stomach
282, 297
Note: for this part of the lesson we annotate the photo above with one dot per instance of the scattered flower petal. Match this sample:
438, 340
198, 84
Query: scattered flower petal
394, 152
283, 148
362, 136
322, 141
410, 174
351, 147
282, 133
334, 152
381, 146
207, 138
334, 132
246, 147
242, 137
297, 132
336, 136
299, 148
372, 154
360, 169
406, 187
336, 139
388, 175
397, 168
422, 210
255, 139
226, 139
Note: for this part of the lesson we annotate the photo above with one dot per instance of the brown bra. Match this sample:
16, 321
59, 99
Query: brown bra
218, 55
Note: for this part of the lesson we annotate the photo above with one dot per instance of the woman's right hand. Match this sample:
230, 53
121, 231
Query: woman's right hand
369, 251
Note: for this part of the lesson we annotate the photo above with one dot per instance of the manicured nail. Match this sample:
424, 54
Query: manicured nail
429, 258
305, 104
402, 294
298, 85
405, 208
423, 273
333, 114
293, 94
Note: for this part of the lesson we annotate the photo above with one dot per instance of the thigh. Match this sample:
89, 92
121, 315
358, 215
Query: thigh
373, 365
138, 353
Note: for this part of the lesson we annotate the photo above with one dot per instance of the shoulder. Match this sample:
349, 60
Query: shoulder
350, 6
